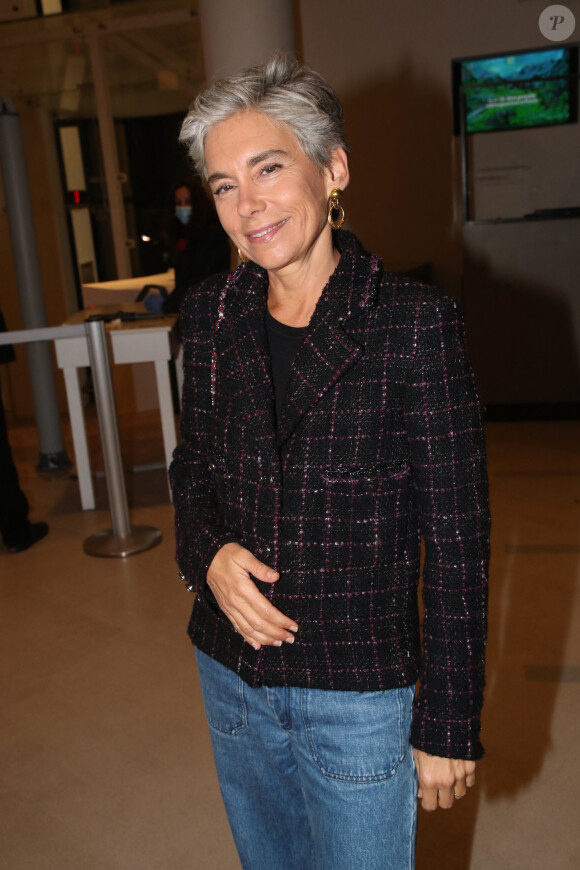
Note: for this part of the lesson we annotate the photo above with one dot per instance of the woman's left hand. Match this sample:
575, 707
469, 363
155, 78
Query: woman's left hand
442, 780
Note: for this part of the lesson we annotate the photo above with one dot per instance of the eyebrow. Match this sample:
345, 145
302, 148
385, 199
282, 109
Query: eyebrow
253, 161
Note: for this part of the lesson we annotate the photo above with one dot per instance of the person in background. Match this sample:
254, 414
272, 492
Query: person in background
330, 420
17, 532
194, 241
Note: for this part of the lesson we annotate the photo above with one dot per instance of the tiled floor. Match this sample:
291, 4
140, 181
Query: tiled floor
105, 761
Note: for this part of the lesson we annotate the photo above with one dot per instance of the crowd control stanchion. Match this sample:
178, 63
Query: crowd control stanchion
121, 539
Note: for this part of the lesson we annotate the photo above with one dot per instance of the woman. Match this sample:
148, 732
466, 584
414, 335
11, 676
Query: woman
196, 245
330, 419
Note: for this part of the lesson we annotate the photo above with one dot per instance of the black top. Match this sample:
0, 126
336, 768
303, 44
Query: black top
284, 342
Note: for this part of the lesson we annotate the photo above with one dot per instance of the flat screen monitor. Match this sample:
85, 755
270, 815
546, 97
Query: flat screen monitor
532, 88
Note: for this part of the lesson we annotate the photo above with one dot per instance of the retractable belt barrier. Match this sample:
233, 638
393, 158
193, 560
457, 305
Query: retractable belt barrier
122, 539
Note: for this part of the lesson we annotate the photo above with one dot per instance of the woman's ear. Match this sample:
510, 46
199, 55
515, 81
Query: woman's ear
337, 173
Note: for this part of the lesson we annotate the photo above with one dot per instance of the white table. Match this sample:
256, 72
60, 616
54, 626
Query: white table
131, 342
124, 289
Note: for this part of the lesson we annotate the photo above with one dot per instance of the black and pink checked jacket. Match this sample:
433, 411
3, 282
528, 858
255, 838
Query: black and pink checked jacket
381, 442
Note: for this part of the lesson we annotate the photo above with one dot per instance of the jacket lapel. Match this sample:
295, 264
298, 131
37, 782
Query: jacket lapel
242, 350
327, 353
328, 350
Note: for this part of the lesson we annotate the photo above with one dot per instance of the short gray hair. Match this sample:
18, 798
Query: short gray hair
283, 90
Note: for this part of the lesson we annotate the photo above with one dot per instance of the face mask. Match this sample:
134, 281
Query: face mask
183, 213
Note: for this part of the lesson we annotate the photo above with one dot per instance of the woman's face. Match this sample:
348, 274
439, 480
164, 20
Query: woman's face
182, 197
183, 205
271, 199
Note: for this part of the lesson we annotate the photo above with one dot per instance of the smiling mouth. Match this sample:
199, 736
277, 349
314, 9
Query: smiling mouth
267, 231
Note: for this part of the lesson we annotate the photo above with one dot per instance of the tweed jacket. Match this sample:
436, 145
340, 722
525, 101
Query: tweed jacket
380, 444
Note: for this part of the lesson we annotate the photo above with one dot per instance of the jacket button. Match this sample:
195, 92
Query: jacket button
263, 550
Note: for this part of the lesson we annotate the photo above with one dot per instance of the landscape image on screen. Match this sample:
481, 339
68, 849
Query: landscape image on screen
520, 90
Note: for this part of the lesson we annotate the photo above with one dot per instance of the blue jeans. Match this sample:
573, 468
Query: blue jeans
311, 779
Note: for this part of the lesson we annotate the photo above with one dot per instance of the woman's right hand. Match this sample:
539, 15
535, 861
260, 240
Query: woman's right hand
250, 612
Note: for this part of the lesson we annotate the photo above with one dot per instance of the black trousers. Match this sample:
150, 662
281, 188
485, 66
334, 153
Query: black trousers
13, 502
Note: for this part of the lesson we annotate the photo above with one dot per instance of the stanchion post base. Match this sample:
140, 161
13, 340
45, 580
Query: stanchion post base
109, 546
53, 465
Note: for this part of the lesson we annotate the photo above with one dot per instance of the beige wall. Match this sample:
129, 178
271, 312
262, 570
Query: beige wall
390, 63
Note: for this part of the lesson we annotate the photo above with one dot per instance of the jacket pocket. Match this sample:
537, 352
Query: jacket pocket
343, 473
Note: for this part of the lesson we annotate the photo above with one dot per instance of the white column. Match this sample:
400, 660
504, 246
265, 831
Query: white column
240, 34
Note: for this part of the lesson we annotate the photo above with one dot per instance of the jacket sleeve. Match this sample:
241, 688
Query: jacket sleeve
445, 432
199, 529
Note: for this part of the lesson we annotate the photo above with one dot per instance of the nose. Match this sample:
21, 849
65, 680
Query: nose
250, 202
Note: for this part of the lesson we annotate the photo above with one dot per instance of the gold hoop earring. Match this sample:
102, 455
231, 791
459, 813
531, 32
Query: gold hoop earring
335, 210
243, 257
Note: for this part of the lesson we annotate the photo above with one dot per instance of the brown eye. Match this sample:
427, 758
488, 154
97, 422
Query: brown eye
223, 188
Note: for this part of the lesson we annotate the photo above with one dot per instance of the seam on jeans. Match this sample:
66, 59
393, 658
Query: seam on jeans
361, 778
243, 712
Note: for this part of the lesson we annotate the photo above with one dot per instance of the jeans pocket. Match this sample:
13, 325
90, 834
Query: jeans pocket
358, 737
223, 695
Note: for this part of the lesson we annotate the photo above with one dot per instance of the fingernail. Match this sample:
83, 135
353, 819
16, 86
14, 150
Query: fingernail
292, 628
289, 640
277, 643
271, 574
255, 644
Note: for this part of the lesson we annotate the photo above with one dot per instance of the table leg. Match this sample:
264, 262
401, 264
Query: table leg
79, 435
166, 410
